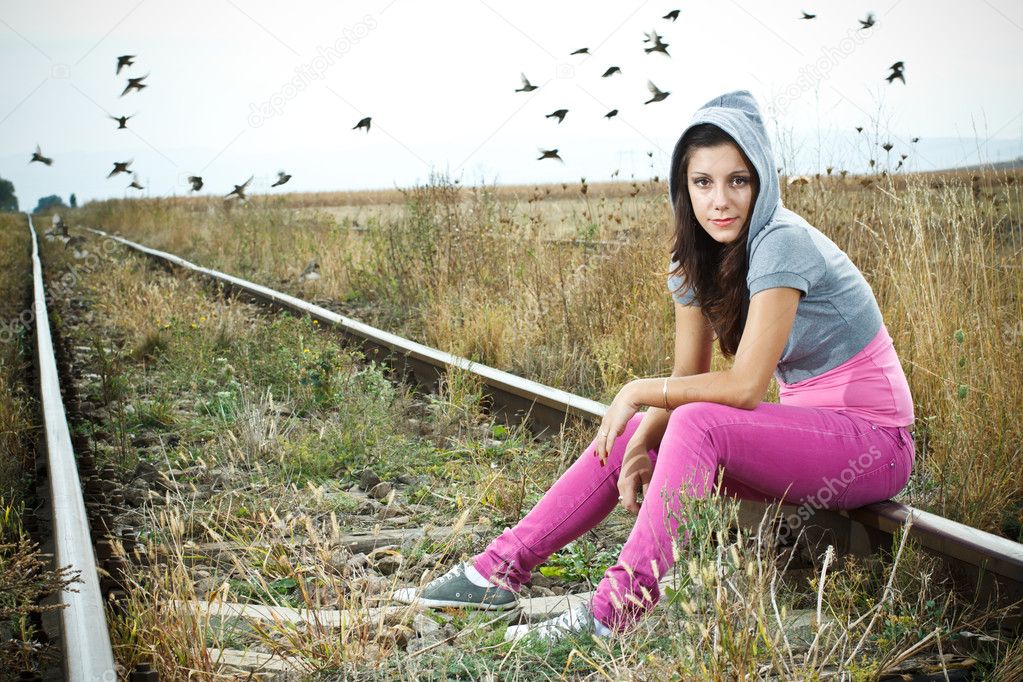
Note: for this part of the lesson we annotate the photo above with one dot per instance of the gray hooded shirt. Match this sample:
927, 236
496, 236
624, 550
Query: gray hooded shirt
837, 314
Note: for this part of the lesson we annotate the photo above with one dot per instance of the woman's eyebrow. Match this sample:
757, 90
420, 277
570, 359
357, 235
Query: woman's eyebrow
741, 171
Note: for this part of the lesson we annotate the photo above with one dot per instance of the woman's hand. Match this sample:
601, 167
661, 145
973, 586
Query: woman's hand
634, 476
622, 409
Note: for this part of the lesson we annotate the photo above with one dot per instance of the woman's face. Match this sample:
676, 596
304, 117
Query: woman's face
720, 189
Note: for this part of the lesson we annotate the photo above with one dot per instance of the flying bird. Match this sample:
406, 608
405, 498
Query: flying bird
239, 190
868, 22
134, 84
859, 129
123, 61
363, 123
37, 155
658, 94
122, 121
896, 72
549, 154
526, 85
196, 182
119, 167
282, 178
658, 44
887, 146
135, 182
672, 15
581, 50
806, 15
915, 140
611, 70
611, 114
559, 114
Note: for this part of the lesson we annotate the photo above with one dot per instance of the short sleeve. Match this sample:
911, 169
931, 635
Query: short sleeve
785, 257
681, 292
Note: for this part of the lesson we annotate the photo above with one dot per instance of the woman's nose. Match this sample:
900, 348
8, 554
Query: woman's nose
720, 199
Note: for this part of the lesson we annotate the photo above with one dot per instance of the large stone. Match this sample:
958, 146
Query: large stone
381, 490
368, 479
388, 564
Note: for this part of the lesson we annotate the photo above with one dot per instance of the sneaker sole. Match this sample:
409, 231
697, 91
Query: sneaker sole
435, 603
444, 603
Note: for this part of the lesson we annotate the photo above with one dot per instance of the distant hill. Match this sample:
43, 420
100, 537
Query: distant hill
1012, 164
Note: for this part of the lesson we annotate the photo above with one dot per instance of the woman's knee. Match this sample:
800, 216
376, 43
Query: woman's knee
698, 415
685, 435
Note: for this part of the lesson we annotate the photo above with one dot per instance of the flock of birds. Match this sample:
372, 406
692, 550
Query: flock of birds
195, 181
653, 42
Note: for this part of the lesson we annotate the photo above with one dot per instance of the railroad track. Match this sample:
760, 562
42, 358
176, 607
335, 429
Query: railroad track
990, 564
88, 535
84, 636
984, 562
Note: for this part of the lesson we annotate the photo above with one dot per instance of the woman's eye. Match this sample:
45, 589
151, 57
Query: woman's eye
741, 180
699, 182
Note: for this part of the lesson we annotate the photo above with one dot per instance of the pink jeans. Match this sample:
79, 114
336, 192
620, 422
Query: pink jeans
821, 458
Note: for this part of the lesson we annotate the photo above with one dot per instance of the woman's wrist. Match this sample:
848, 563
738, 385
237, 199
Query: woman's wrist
651, 429
650, 392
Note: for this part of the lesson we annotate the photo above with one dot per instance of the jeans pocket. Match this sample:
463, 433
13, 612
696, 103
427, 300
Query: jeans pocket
876, 485
905, 456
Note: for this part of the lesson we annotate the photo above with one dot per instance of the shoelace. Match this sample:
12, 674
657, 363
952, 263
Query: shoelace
455, 572
577, 619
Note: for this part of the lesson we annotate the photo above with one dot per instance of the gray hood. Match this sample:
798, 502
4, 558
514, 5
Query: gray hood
738, 115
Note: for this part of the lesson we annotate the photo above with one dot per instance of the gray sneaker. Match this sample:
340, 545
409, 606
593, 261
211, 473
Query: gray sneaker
576, 620
454, 589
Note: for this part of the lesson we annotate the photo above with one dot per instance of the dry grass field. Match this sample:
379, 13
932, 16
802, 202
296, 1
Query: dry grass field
247, 447
252, 434
472, 270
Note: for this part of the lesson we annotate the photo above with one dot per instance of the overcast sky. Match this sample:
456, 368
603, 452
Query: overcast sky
239, 88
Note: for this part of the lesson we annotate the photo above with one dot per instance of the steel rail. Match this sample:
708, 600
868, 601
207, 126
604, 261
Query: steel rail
988, 563
88, 656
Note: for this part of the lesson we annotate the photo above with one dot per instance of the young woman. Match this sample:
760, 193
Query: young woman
782, 299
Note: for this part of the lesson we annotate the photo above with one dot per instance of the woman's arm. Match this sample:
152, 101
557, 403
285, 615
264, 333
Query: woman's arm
768, 325
693, 348
771, 315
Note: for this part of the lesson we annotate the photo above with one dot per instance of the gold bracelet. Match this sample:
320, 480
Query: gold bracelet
666, 394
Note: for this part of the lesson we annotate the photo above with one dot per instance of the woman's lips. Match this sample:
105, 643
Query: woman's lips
723, 222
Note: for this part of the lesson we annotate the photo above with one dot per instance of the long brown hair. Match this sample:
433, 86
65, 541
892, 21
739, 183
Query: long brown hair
717, 272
